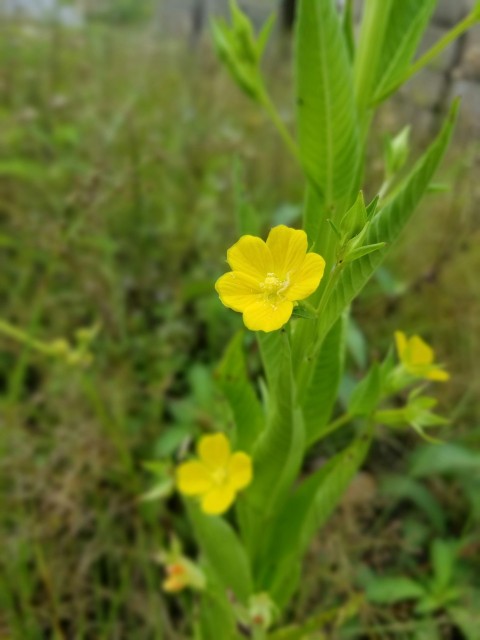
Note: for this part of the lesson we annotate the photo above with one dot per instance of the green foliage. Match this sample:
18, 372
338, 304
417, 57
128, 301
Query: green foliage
224, 553
113, 210
240, 52
323, 389
407, 22
303, 515
279, 451
232, 378
388, 223
327, 121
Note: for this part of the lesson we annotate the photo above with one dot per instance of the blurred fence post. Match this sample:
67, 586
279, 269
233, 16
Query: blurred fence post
287, 14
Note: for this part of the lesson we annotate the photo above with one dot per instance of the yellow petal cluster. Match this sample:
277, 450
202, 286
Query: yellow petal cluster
216, 476
268, 277
418, 358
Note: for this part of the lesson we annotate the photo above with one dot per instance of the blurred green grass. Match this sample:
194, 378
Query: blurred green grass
123, 159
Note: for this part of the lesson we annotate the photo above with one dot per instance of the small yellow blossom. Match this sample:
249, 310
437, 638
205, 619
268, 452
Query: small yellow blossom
268, 277
181, 574
217, 476
418, 358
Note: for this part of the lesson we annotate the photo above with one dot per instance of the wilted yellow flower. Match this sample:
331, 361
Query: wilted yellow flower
182, 573
217, 476
418, 358
268, 277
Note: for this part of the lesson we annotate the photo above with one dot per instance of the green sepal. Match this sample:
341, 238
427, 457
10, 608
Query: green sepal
359, 252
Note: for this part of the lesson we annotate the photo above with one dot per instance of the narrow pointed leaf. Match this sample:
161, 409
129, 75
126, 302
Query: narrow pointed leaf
233, 380
327, 121
406, 25
224, 552
279, 451
322, 391
388, 223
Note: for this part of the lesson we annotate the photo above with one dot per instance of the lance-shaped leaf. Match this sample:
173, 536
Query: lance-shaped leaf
224, 552
322, 391
327, 119
406, 25
387, 225
279, 452
304, 514
233, 380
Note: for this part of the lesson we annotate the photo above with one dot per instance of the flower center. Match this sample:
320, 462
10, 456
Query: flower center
273, 288
220, 476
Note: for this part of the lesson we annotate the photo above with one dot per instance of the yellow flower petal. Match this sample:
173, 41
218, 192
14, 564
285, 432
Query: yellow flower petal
237, 290
214, 451
438, 374
193, 478
218, 500
240, 470
172, 584
401, 343
306, 280
288, 247
264, 316
251, 256
419, 352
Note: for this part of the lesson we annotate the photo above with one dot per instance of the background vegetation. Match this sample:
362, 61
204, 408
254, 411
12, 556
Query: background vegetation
124, 159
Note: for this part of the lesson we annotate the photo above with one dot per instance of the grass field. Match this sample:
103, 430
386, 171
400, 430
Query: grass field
123, 160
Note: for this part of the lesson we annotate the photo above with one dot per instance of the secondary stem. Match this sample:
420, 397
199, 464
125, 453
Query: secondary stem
336, 424
280, 126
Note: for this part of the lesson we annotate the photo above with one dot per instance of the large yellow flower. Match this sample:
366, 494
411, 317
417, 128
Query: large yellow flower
268, 277
418, 358
217, 476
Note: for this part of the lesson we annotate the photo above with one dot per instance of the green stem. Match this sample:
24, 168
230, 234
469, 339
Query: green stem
336, 424
20, 336
432, 53
280, 126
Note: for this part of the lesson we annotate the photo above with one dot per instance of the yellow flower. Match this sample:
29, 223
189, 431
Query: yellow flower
418, 358
217, 476
182, 573
268, 277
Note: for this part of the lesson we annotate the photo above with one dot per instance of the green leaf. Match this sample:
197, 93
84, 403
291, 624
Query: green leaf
327, 121
270, 345
395, 589
402, 488
359, 252
328, 493
224, 552
407, 22
322, 391
443, 555
279, 451
303, 515
302, 311
233, 380
216, 616
387, 225
366, 394
444, 458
